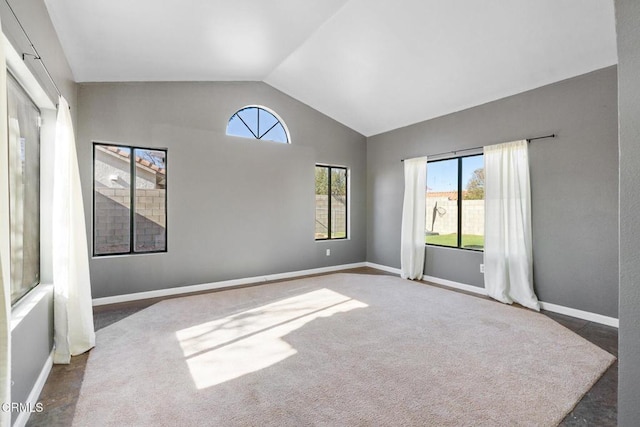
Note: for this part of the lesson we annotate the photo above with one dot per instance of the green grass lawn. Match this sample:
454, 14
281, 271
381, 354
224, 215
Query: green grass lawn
471, 241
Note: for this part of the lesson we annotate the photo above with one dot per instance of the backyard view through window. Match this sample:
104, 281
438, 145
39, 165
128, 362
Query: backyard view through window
331, 202
130, 200
455, 202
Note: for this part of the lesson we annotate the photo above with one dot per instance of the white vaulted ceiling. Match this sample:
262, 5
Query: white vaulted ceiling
373, 65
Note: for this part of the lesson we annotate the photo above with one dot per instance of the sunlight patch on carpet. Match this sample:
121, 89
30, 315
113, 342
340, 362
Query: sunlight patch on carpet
236, 345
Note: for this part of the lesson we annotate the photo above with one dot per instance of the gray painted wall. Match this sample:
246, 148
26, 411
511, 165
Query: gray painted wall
628, 27
574, 187
32, 340
236, 207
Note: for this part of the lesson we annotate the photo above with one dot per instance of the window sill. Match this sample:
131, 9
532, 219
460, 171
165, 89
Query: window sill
23, 307
454, 247
136, 254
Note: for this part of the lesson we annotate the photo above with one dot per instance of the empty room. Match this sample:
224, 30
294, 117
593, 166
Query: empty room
332, 213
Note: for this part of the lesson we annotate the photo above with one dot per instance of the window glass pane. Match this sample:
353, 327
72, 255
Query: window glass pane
237, 128
150, 220
276, 134
322, 202
250, 117
338, 203
441, 227
112, 199
24, 190
473, 202
266, 122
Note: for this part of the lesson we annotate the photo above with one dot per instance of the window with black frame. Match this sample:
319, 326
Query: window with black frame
24, 189
455, 202
129, 200
331, 202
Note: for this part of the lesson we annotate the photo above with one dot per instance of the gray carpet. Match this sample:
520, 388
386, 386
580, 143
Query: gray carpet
337, 350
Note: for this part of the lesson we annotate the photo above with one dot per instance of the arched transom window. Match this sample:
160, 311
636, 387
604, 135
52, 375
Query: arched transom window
259, 123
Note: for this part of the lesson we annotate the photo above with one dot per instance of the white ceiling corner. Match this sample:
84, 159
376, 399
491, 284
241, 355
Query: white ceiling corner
373, 65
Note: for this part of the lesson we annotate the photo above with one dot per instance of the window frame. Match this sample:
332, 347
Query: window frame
255, 137
132, 195
459, 204
346, 206
25, 290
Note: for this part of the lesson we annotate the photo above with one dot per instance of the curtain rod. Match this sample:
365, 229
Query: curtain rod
553, 135
35, 53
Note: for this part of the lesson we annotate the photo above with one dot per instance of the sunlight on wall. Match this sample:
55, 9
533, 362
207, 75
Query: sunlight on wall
246, 342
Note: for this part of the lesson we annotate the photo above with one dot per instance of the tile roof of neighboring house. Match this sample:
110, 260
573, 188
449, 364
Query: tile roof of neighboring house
450, 195
139, 160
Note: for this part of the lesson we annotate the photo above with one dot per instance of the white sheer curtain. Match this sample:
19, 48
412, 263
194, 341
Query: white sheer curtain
508, 259
73, 316
413, 219
5, 282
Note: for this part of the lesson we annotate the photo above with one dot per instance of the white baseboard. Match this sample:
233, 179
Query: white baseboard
34, 395
555, 308
221, 285
383, 268
451, 284
580, 314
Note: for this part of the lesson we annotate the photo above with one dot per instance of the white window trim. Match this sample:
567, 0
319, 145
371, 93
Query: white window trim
30, 84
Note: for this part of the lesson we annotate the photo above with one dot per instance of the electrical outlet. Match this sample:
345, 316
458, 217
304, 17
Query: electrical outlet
482, 268
328, 252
